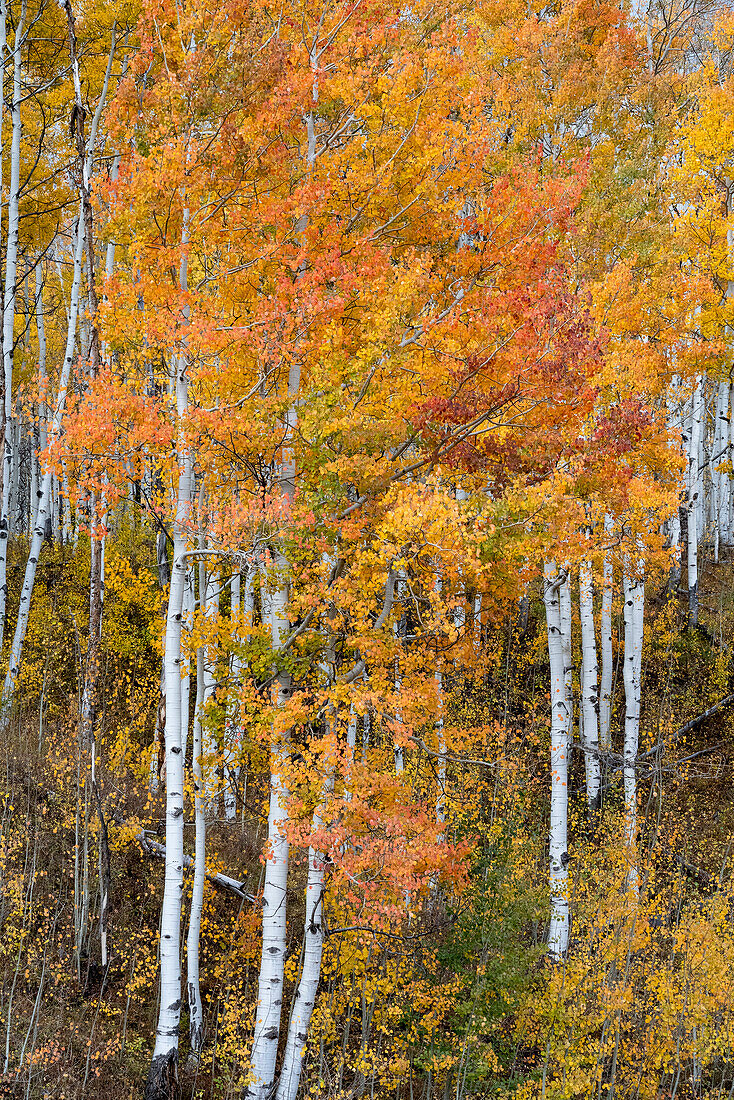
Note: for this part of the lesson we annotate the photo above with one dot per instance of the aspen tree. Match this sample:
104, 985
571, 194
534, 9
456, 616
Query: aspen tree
605, 630
270, 982
313, 945
558, 932
721, 467
566, 613
42, 434
164, 1065
232, 732
693, 443
188, 622
272, 961
11, 280
441, 758
209, 597
196, 1015
441, 734
351, 747
589, 687
634, 611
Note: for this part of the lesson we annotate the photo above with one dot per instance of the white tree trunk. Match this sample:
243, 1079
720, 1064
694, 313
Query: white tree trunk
441, 759
68, 533
729, 459
272, 960
196, 1015
566, 612
11, 263
675, 424
634, 611
721, 460
398, 682
313, 943
188, 623
270, 983
558, 933
164, 1064
694, 442
607, 592
35, 479
13, 504
209, 596
589, 687
351, 746
39, 530
366, 723
232, 734
703, 466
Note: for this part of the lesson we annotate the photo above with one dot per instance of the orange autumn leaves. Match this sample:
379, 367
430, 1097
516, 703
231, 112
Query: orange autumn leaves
346, 203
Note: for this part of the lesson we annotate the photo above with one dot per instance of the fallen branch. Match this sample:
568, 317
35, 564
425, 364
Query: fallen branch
615, 761
158, 851
689, 727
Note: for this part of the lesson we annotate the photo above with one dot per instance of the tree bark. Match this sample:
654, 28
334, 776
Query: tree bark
11, 262
196, 1015
607, 593
558, 933
313, 943
232, 732
162, 1080
589, 687
634, 609
694, 442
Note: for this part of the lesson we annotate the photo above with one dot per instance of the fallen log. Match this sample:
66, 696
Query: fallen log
223, 882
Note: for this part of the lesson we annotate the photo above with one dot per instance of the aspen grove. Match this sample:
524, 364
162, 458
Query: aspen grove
367, 550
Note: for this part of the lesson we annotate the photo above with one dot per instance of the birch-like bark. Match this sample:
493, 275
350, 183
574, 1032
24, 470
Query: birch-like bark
675, 424
351, 746
366, 723
730, 459
270, 982
188, 623
440, 731
42, 383
11, 263
67, 533
589, 687
196, 1014
441, 758
558, 933
35, 478
163, 1072
39, 531
702, 497
607, 671
14, 501
313, 943
232, 732
694, 442
209, 595
566, 613
634, 610
272, 960
721, 463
